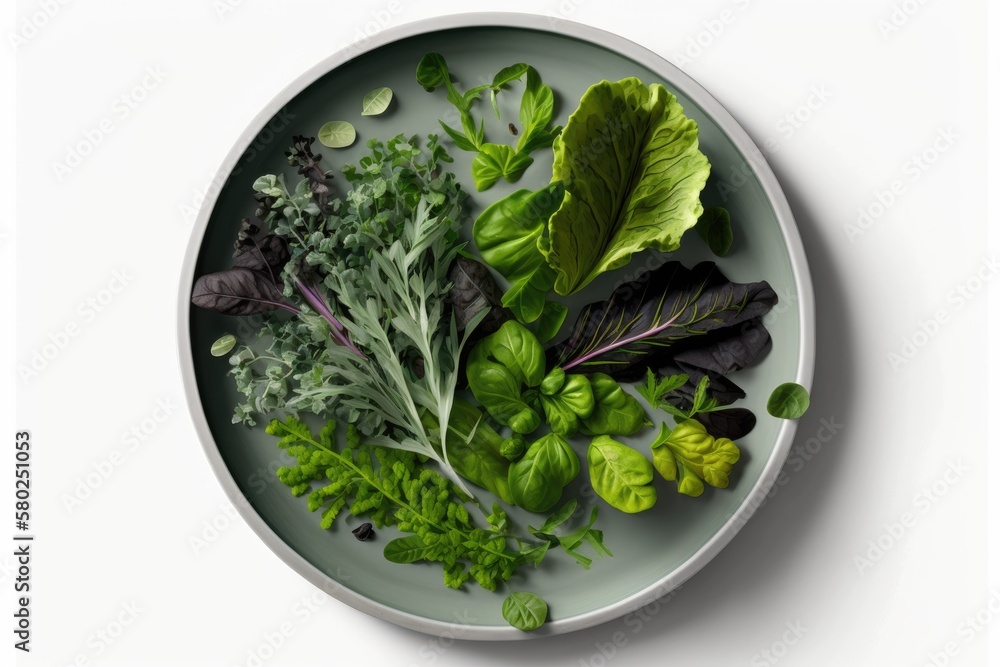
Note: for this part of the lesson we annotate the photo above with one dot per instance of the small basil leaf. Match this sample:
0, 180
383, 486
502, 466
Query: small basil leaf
788, 401
525, 611
716, 230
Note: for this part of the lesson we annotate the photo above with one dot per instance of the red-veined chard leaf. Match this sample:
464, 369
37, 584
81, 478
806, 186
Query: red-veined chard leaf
673, 316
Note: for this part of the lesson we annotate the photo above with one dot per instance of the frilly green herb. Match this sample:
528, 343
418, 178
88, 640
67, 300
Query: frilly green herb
392, 488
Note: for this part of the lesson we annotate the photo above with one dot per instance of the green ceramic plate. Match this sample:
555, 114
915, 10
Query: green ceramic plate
654, 551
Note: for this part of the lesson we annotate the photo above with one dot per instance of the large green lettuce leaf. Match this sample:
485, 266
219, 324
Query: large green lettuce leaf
633, 173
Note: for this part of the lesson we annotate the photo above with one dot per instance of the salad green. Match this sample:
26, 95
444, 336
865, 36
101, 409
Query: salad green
374, 310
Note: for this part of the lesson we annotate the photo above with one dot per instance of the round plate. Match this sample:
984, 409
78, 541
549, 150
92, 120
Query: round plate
655, 551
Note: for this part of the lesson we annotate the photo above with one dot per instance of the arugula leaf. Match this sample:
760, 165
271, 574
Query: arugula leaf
501, 79
654, 391
633, 172
494, 161
571, 542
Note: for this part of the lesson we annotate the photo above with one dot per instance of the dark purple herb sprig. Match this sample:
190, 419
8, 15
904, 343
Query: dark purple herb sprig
301, 155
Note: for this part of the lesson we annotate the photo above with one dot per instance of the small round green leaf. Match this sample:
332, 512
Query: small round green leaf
788, 401
376, 102
224, 345
525, 611
716, 229
337, 134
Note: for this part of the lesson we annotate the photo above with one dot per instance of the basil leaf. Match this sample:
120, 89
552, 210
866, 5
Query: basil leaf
507, 234
788, 401
616, 412
716, 229
474, 451
620, 475
550, 321
525, 611
432, 71
538, 479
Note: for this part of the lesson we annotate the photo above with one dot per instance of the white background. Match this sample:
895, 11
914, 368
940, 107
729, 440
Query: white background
128, 545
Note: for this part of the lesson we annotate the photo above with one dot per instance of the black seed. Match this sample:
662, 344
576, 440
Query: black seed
364, 532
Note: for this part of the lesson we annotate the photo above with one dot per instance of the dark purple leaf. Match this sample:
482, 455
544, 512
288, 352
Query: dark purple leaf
267, 255
670, 311
732, 423
238, 291
474, 289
